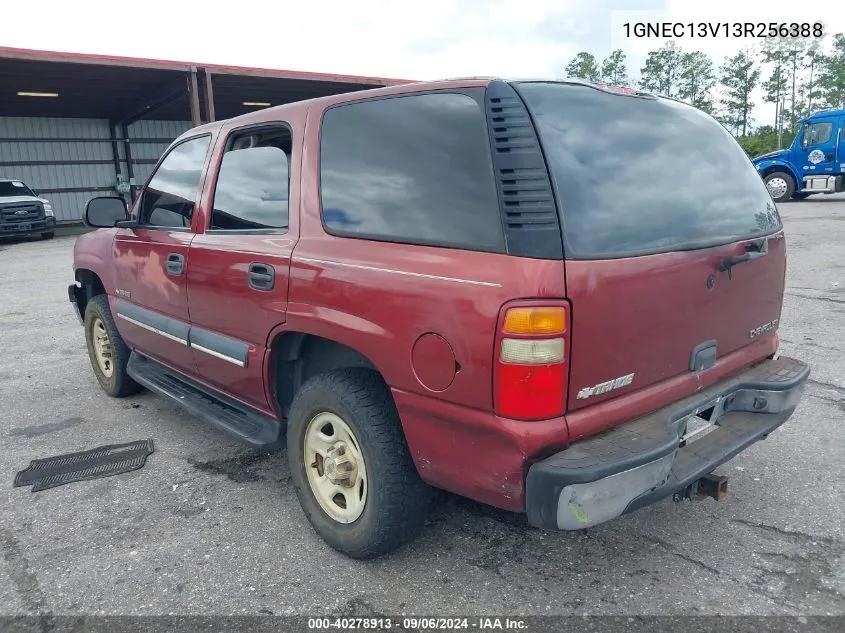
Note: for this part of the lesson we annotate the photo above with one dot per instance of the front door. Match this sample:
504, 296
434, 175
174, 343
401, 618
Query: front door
816, 153
238, 278
151, 300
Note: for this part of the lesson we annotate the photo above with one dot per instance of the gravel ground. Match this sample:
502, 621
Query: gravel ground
206, 527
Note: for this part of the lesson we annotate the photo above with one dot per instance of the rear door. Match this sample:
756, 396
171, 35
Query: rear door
151, 260
238, 279
656, 199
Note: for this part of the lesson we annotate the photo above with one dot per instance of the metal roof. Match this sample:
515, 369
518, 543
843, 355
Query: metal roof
120, 88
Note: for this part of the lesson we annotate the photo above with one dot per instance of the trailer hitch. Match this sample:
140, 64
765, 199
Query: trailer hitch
712, 486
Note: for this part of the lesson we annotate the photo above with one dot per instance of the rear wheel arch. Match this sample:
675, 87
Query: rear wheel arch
298, 356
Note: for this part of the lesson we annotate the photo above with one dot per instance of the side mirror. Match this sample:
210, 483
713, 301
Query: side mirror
105, 212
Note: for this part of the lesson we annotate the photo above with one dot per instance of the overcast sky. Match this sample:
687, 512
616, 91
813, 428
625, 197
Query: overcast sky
390, 38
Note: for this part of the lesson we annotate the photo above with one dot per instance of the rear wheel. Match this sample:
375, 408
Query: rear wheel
106, 349
781, 186
350, 464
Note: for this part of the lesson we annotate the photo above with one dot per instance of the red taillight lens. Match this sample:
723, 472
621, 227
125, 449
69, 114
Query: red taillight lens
530, 370
529, 391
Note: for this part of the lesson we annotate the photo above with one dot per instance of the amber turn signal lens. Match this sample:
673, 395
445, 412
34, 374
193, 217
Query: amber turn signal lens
535, 321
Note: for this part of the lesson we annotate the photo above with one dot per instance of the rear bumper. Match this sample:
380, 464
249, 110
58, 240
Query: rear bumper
43, 225
640, 462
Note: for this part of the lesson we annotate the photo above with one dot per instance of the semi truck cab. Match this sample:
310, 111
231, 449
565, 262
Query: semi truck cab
814, 163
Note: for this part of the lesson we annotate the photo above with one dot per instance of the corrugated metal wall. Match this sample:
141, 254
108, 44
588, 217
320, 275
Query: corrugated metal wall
144, 154
69, 161
54, 163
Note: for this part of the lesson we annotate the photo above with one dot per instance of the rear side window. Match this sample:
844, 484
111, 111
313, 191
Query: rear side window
412, 169
637, 176
252, 186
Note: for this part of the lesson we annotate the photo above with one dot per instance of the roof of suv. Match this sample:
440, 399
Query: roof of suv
265, 114
268, 114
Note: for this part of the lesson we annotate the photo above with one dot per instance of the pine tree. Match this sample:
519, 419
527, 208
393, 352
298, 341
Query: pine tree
832, 78
776, 55
662, 70
583, 66
739, 76
613, 69
814, 62
697, 80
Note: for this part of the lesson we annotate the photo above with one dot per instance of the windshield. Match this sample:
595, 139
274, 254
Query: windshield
637, 176
10, 188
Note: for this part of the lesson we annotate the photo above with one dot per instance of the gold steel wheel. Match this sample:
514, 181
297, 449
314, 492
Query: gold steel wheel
102, 347
334, 466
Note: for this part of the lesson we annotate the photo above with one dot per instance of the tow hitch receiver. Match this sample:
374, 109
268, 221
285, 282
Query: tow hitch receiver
713, 486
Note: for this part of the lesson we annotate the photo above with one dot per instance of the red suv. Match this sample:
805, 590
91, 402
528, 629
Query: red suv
514, 291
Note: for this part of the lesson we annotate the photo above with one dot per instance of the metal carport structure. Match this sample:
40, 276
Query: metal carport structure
77, 125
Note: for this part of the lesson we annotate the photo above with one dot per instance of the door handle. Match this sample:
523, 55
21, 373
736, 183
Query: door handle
828, 157
261, 276
175, 263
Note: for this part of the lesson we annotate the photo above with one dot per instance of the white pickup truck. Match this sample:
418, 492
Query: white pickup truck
24, 213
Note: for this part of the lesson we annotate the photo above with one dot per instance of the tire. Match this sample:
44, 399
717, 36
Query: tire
98, 317
781, 186
800, 196
396, 500
49, 235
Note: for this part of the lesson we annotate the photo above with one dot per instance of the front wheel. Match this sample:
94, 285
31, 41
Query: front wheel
48, 235
781, 186
350, 464
800, 196
106, 349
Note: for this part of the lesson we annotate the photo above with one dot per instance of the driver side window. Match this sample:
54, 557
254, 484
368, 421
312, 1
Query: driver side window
169, 199
818, 133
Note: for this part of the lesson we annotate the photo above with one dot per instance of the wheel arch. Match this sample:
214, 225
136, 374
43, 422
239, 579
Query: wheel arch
296, 356
90, 285
782, 167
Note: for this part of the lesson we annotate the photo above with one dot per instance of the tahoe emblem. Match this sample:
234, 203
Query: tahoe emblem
766, 327
604, 387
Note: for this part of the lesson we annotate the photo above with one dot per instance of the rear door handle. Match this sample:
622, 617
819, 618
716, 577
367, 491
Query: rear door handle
261, 276
175, 263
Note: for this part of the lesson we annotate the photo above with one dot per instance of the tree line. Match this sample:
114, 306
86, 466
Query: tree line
798, 76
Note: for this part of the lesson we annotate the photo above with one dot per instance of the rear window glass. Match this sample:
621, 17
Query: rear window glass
412, 169
637, 176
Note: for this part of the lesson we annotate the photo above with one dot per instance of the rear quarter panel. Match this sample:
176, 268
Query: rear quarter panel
381, 297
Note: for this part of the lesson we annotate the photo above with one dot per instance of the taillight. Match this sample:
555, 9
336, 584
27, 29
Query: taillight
530, 369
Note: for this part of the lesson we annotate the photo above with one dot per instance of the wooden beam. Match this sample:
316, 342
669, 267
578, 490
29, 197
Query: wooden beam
209, 97
193, 91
